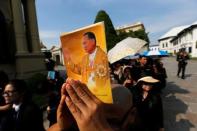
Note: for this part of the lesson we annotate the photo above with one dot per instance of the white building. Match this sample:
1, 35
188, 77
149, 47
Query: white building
57, 55
154, 47
186, 40
165, 40
130, 27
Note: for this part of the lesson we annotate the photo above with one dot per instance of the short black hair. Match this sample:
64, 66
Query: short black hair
90, 35
141, 56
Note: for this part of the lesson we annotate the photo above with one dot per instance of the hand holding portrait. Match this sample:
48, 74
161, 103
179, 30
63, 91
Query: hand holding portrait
86, 108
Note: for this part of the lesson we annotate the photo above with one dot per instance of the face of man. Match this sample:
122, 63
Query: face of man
143, 61
88, 44
10, 95
147, 87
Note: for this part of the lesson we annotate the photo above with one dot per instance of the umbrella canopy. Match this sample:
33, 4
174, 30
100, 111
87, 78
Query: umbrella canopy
155, 53
136, 56
127, 47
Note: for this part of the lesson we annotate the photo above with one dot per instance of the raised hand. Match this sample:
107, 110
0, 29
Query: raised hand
85, 107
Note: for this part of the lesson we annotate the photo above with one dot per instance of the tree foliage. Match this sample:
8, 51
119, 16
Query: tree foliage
141, 34
111, 36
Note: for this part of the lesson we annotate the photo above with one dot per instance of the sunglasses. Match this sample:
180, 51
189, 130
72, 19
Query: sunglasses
8, 93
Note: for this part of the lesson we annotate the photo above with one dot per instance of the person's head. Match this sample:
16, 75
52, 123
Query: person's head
127, 70
181, 53
143, 60
89, 42
14, 91
118, 112
147, 83
161, 63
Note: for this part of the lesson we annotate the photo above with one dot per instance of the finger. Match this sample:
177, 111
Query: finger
76, 99
63, 89
61, 105
85, 95
73, 108
90, 94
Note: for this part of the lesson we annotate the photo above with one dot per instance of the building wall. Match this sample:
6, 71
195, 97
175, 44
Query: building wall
188, 42
194, 45
20, 62
58, 53
128, 28
5, 8
166, 45
154, 48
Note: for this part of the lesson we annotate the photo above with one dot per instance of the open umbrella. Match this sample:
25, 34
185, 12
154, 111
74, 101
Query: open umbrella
136, 56
155, 53
127, 47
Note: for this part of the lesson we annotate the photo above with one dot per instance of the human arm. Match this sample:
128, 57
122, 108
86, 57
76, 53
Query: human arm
5, 107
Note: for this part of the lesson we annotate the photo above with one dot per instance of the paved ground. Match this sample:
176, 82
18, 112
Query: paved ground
180, 98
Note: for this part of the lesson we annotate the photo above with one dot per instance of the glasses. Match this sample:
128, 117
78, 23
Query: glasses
8, 93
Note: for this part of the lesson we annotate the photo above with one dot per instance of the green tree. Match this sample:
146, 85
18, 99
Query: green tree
142, 35
111, 36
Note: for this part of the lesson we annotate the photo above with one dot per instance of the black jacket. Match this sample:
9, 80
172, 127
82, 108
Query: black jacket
150, 111
28, 118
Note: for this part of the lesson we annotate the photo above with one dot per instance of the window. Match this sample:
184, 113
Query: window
196, 44
179, 40
190, 49
166, 44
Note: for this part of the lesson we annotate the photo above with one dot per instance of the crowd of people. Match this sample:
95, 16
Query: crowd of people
137, 105
145, 78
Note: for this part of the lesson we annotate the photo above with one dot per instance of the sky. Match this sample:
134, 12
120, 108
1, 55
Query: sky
158, 16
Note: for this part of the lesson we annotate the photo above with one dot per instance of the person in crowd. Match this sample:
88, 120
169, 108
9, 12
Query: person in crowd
163, 70
24, 115
3, 107
93, 67
141, 68
78, 106
182, 58
126, 78
118, 71
159, 74
53, 101
148, 104
113, 78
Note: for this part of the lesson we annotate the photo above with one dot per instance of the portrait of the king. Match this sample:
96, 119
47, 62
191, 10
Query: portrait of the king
93, 66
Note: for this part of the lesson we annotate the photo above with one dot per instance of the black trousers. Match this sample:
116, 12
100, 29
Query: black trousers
181, 68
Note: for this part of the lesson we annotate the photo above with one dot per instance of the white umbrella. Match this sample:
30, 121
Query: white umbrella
131, 57
127, 47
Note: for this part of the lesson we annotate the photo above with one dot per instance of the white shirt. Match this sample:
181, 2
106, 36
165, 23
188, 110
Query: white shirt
91, 81
92, 57
16, 107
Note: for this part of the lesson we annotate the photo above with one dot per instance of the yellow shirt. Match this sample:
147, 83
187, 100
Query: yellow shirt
99, 72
